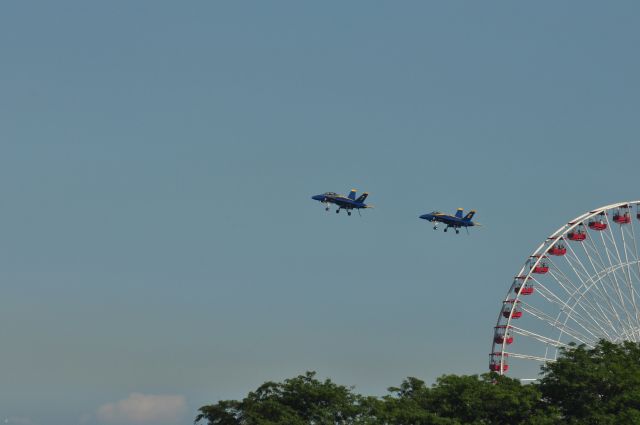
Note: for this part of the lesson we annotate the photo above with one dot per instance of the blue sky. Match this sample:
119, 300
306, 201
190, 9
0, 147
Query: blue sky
157, 162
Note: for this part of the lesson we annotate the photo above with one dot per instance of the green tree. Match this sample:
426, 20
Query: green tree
589, 386
488, 399
408, 404
302, 400
595, 386
471, 399
452, 400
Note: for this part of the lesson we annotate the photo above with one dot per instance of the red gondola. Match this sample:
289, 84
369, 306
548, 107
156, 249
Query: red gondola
598, 222
528, 286
558, 249
622, 219
507, 306
502, 335
595, 225
578, 233
541, 267
497, 363
622, 215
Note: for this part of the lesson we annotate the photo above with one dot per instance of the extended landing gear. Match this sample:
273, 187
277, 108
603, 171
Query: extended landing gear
338, 211
326, 208
445, 229
457, 231
348, 213
435, 227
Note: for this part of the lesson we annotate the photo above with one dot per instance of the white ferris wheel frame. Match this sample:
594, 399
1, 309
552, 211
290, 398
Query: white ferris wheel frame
597, 321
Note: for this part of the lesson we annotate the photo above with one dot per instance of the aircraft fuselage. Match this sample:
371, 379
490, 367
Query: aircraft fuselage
341, 201
449, 220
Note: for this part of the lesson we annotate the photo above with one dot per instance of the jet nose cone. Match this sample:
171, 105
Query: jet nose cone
425, 216
317, 197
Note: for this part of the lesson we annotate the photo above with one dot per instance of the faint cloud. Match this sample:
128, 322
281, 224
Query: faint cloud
142, 408
17, 420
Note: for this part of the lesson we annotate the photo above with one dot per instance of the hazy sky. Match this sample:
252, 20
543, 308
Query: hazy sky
159, 245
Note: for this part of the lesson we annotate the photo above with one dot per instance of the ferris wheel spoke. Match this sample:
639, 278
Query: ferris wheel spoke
628, 271
612, 270
582, 290
597, 314
587, 277
627, 279
637, 262
587, 308
602, 297
564, 280
604, 270
576, 294
615, 260
577, 317
529, 357
635, 243
583, 300
541, 338
561, 326
614, 250
600, 268
593, 299
596, 278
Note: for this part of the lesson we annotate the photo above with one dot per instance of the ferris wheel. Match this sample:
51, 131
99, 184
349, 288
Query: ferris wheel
582, 284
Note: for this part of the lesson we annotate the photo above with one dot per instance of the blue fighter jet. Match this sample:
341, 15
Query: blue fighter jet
456, 221
348, 203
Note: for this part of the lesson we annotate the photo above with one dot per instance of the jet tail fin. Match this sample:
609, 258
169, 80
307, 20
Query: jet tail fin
459, 213
469, 216
352, 195
362, 197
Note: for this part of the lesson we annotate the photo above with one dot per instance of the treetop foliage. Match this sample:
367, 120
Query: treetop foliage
599, 385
